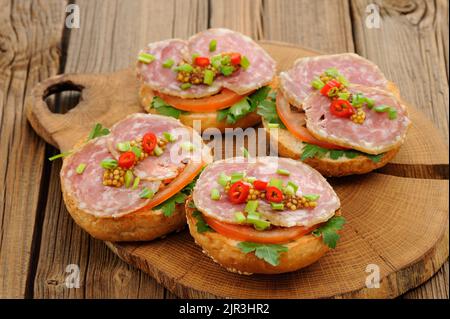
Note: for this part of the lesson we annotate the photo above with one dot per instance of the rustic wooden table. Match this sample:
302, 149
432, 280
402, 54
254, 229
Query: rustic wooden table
38, 239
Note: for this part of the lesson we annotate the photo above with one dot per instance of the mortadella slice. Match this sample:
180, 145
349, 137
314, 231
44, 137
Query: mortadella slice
88, 190
169, 164
377, 134
260, 72
309, 181
296, 82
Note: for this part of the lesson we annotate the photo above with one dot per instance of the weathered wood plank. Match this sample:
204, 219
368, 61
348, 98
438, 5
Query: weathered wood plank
321, 25
30, 34
411, 47
108, 39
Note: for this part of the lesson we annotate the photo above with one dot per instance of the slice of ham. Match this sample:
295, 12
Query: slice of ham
88, 190
296, 82
264, 168
173, 159
378, 134
260, 72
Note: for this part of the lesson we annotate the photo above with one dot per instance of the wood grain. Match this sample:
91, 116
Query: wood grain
30, 34
385, 224
414, 35
91, 49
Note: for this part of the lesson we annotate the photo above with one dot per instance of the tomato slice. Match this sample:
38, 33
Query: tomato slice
219, 101
149, 141
295, 123
127, 159
276, 235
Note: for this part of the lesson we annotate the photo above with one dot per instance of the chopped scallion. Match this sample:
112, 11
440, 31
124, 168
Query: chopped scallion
59, 156
123, 146
136, 183
146, 193
208, 77
146, 57
283, 171
273, 125
223, 179
184, 68
251, 206
168, 63
108, 163
239, 217
245, 63
137, 151
215, 194
169, 137
80, 168
278, 183
212, 45
128, 178
311, 197
185, 86
158, 151
277, 206
236, 177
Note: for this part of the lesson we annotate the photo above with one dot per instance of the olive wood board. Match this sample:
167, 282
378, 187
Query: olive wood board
397, 217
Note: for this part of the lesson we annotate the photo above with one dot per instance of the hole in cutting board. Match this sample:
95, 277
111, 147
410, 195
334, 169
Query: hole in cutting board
64, 101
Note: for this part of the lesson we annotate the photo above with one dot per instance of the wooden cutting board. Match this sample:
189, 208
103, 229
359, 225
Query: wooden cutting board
397, 217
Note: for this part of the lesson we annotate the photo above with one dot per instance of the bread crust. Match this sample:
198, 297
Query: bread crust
301, 253
208, 119
136, 226
290, 146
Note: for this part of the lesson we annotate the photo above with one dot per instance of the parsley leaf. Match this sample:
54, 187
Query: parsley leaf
244, 106
329, 231
268, 110
168, 207
98, 131
163, 108
311, 151
270, 253
201, 225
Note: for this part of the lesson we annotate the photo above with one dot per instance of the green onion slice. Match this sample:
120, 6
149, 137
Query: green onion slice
123, 146
236, 177
128, 178
109, 163
208, 77
212, 45
158, 151
59, 156
251, 206
184, 68
136, 183
168, 63
223, 179
239, 217
278, 183
146, 57
80, 168
185, 86
311, 197
146, 193
137, 151
215, 194
169, 137
245, 63
277, 206
283, 171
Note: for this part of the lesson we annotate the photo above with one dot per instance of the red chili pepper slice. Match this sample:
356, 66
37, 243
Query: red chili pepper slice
235, 58
273, 194
260, 185
238, 193
341, 108
127, 159
202, 61
149, 142
329, 85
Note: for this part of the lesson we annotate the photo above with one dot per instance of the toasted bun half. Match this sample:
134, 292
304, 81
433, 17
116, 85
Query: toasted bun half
301, 253
290, 146
138, 226
207, 120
